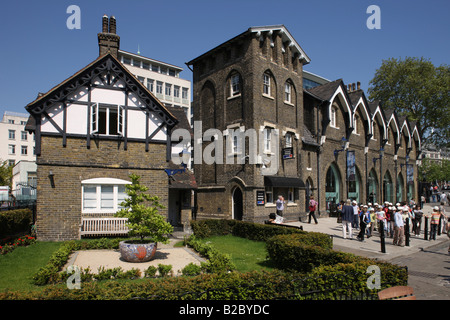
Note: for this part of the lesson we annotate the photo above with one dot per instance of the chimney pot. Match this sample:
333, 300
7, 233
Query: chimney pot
353, 86
358, 85
112, 24
105, 24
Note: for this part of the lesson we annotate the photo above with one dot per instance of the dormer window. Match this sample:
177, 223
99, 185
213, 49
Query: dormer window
107, 119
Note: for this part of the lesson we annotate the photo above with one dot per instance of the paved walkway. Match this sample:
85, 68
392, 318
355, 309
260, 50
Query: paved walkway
178, 257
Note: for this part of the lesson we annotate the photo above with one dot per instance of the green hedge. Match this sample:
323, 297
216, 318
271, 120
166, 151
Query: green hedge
298, 253
342, 281
250, 230
15, 221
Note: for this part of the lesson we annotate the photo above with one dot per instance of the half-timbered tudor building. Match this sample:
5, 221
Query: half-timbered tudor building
333, 143
92, 131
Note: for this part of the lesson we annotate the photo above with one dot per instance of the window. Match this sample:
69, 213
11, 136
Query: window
141, 79
11, 149
235, 85
24, 150
127, 60
184, 93
355, 125
155, 68
11, 163
168, 89
23, 123
172, 72
159, 86
23, 135
287, 92
150, 84
269, 194
333, 117
10, 121
145, 65
163, 70
291, 195
107, 119
288, 140
136, 63
176, 91
235, 144
103, 195
267, 139
266, 84
12, 134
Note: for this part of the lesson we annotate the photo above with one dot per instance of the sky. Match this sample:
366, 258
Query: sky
38, 51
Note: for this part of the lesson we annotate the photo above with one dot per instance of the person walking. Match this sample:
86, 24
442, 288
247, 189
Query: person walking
417, 223
364, 220
380, 218
434, 223
398, 229
280, 205
355, 221
347, 218
312, 209
373, 219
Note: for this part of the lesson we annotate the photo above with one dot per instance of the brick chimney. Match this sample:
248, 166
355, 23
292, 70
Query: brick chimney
108, 40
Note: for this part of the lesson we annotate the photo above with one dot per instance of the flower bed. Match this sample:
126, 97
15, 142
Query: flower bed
18, 242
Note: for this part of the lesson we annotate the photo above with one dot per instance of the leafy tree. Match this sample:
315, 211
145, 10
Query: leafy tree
416, 88
144, 221
5, 174
431, 170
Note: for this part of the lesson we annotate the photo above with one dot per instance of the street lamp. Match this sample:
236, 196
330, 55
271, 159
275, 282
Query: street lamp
344, 147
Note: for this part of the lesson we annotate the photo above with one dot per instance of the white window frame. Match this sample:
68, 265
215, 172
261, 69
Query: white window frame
98, 183
287, 92
355, 125
95, 117
150, 83
24, 150
267, 139
291, 198
266, 84
168, 89
11, 149
159, 87
235, 85
289, 140
24, 136
12, 134
268, 195
333, 117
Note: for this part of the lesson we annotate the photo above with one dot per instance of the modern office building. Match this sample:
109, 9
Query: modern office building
16, 144
162, 79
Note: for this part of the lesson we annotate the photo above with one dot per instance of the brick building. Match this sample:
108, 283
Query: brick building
328, 140
92, 131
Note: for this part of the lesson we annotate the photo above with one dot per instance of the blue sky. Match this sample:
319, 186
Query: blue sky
39, 51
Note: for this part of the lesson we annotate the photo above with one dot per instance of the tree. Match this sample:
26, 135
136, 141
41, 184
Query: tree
432, 170
5, 174
143, 221
416, 88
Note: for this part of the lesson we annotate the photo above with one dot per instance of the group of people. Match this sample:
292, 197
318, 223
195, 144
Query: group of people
388, 218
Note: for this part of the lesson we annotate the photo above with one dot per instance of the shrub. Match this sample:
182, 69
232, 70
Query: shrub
191, 269
150, 272
15, 221
164, 269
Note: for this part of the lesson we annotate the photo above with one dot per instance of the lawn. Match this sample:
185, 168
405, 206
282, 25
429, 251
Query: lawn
247, 255
18, 267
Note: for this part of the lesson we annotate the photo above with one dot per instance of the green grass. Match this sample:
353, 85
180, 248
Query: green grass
18, 267
247, 255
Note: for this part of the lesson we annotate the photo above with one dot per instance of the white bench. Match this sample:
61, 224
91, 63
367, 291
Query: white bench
103, 226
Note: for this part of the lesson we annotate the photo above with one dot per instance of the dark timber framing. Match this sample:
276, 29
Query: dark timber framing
110, 67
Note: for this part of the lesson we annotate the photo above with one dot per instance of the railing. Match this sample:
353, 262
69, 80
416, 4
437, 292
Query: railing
103, 226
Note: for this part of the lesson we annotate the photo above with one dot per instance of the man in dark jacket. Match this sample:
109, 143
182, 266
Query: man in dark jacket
347, 218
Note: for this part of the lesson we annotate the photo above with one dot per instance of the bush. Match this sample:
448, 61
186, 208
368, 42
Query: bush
15, 221
150, 272
249, 230
191, 269
164, 269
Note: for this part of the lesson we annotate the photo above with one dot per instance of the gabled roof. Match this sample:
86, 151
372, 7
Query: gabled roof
84, 76
280, 28
326, 91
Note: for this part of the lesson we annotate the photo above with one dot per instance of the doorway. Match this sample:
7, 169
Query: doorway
238, 204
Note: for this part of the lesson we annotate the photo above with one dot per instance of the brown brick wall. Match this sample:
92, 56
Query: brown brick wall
59, 208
